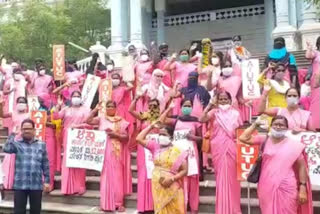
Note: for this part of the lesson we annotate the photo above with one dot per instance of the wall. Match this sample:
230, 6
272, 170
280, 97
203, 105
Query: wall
252, 30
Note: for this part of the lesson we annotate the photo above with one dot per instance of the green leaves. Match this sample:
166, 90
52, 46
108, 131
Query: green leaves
28, 30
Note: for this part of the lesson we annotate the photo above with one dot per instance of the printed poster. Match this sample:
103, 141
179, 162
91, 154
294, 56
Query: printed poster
86, 149
250, 71
89, 89
246, 157
58, 60
105, 93
40, 120
181, 141
33, 103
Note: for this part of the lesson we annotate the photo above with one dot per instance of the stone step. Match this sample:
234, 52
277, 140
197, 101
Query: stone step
6, 207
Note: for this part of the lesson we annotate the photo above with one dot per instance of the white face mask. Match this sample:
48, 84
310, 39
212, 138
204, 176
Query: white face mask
215, 61
227, 71
292, 101
109, 67
144, 57
224, 107
21, 107
115, 82
76, 101
42, 72
278, 134
17, 77
164, 140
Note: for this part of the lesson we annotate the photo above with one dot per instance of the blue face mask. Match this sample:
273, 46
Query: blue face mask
186, 111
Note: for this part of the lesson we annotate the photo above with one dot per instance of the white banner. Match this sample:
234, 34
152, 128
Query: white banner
33, 103
148, 155
86, 149
250, 73
312, 142
181, 141
89, 89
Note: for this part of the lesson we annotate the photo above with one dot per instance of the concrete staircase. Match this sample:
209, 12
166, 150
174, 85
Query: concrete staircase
55, 202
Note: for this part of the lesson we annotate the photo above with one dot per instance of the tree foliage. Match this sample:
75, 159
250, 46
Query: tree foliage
28, 30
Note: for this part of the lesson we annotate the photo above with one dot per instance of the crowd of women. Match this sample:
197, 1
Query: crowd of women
170, 94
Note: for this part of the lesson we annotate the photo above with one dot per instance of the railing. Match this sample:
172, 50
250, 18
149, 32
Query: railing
84, 64
213, 15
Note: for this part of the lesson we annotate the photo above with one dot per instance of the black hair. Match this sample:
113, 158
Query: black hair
236, 38
154, 100
185, 100
113, 102
16, 70
186, 50
318, 43
93, 63
279, 43
292, 88
28, 121
280, 117
110, 61
74, 92
163, 45
279, 64
22, 98
169, 129
227, 93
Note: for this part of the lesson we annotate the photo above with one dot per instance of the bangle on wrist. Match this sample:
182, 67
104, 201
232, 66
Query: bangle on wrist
302, 184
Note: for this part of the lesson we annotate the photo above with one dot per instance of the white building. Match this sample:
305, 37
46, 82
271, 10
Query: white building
180, 22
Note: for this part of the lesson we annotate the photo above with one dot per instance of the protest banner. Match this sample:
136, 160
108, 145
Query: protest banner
33, 103
89, 89
148, 155
246, 157
312, 142
58, 60
86, 149
181, 141
105, 93
250, 73
40, 120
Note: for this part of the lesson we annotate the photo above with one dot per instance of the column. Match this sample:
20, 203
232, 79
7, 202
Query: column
136, 24
125, 16
310, 28
269, 22
283, 28
160, 6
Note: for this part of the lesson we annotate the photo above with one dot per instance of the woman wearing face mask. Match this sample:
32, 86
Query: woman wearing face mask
73, 180
155, 89
112, 187
187, 122
283, 179
299, 120
230, 82
144, 201
225, 120
170, 169
314, 55
276, 87
180, 70
42, 83
211, 72
21, 113
143, 70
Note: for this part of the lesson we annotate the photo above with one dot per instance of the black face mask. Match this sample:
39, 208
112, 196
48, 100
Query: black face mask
278, 45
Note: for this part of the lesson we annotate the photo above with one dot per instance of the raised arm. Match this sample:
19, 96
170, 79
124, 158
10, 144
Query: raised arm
141, 138
246, 136
2, 114
205, 117
164, 119
92, 119
309, 52
263, 104
132, 109
10, 147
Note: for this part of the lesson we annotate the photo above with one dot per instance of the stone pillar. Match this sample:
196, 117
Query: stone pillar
116, 47
269, 22
310, 28
160, 6
136, 24
101, 50
125, 17
283, 28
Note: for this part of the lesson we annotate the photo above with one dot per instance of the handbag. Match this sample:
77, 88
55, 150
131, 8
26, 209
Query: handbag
254, 174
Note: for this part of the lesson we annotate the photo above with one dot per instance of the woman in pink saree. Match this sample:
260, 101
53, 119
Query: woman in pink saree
73, 180
279, 189
112, 181
17, 117
167, 176
225, 120
143, 70
314, 55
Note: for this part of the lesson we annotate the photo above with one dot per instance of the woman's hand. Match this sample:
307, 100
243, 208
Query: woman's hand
297, 130
248, 103
192, 137
166, 182
267, 87
303, 196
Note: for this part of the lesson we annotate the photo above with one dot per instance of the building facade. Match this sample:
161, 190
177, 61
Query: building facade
180, 22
